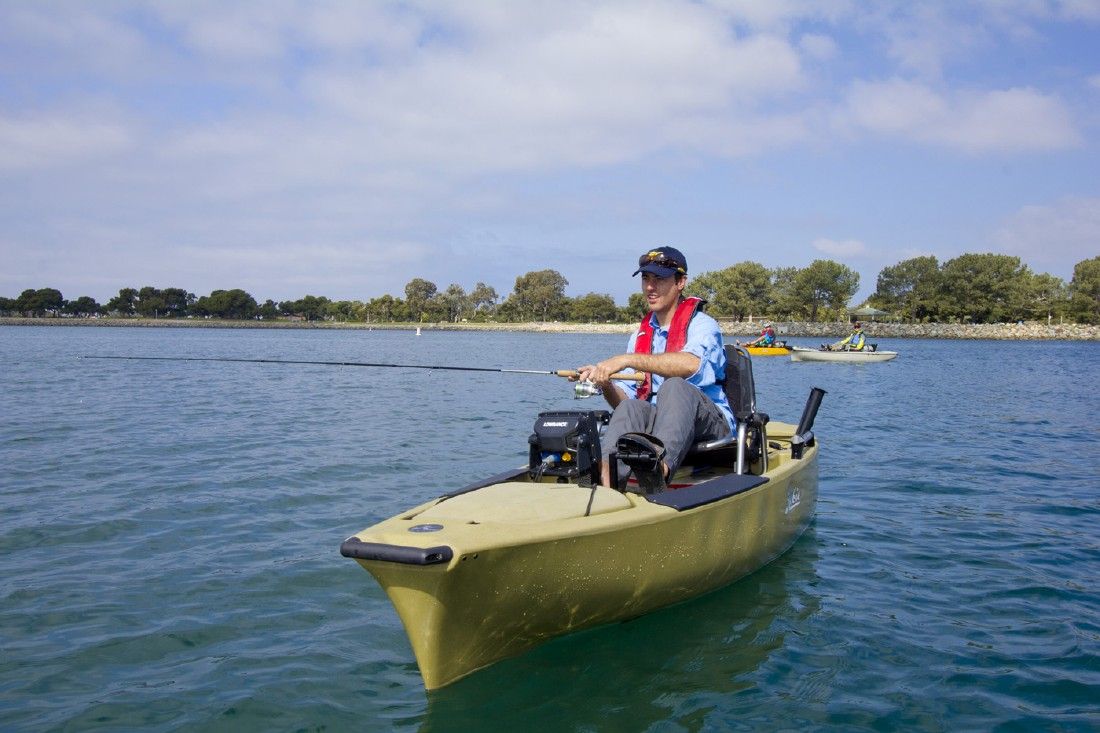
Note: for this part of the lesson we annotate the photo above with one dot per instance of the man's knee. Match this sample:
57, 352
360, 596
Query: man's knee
631, 412
675, 385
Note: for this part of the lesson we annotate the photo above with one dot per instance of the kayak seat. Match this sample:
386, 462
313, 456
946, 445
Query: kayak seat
747, 444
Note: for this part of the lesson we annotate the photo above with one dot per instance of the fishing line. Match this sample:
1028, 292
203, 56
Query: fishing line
557, 373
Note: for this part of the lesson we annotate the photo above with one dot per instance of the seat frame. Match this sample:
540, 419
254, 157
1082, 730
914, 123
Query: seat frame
750, 436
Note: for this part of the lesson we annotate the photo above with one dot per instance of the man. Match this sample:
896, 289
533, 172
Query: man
766, 337
854, 342
679, 347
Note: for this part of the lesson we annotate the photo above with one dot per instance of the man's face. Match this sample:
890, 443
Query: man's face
661, 293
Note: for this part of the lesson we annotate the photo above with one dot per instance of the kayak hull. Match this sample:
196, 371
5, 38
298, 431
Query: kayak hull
511, 565
768, 350
854, 357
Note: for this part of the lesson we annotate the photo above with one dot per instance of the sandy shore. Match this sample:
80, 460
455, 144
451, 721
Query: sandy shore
1030, 331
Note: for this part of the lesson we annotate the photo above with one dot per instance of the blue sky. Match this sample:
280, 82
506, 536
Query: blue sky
343, 148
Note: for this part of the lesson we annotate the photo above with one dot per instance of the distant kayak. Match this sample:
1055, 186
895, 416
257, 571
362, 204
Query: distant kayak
865, 356
780, 348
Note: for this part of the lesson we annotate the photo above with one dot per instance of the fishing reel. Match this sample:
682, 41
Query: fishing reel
567, 445
584, 389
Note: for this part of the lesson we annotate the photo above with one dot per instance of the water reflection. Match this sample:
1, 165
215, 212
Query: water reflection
672, 664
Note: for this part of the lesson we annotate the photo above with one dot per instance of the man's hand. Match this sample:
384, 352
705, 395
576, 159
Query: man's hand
674, 364
600, 374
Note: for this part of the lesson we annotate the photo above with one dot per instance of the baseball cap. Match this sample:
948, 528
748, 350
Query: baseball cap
663, 262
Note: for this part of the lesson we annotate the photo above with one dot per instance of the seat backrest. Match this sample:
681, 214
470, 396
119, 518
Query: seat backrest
741, 394
738, 385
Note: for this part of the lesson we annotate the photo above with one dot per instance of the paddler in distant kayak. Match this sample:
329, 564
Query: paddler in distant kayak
854, 342
766, 337
680, 349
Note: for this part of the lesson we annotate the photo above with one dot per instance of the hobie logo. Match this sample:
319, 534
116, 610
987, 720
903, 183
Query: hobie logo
794, 498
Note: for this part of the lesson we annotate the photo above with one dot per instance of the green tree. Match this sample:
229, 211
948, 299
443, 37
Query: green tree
269, 311
233, 304
310, 307
7, 306
344, 311
538, 295
418, 294
124, 303
40, 302
150, 302
736, 292
401, 312
177, 302
704, 285
593, 308
1048, 296
483, 298
636, 307
910, 289
455, 302
786, 304
26, 302
985, 288
825, 286
1084, 288
381, 309
83, 307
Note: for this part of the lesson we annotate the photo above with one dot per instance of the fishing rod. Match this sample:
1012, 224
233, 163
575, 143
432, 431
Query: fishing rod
583, 389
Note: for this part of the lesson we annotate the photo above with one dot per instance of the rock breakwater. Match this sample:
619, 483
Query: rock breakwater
1028, 331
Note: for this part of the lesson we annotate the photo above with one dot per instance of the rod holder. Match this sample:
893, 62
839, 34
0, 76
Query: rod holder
804, 435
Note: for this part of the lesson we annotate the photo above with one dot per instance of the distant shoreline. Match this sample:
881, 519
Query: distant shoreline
1030, 331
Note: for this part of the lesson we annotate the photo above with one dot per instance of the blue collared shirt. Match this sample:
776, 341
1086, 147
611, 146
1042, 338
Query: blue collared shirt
704, 339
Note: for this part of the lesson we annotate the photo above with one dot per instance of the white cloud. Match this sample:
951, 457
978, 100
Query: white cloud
1023, 10
283, 123
342, 26
1055, 236
1079, 9
818, 46
841, 248
50, 141
1020, 119
778, 15
62, 37
923, 38
582, 87
1012, 119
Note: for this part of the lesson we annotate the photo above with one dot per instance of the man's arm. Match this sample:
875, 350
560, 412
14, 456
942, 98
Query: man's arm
674, 364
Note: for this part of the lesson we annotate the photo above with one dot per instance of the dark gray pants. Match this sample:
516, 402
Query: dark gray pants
682, 416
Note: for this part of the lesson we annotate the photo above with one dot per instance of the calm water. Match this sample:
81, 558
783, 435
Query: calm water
169, 537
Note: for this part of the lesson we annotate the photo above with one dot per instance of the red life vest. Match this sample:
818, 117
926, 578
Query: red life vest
677, 336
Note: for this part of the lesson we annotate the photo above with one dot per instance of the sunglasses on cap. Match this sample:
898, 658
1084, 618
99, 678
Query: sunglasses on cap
661, 260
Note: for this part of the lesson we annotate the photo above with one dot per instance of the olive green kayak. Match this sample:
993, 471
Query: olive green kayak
499, 567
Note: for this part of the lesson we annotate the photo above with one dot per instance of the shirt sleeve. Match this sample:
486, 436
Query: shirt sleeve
630, 388
704, 340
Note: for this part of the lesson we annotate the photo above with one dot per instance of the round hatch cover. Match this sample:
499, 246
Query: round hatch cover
426, 528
